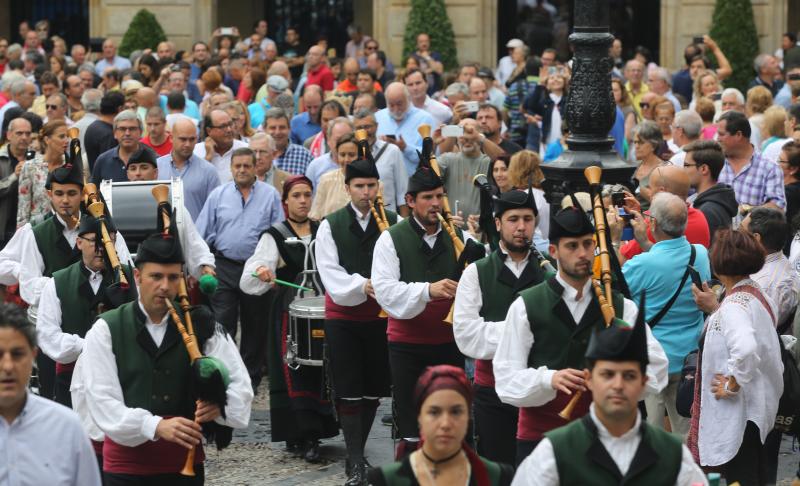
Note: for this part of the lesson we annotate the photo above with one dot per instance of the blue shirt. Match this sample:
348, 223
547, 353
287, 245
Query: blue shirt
657, 273
232, 226
46, 444
119, 62
295, 159
303, 128
319, 166
406, 128
784, 96
199, 179
257, 111
109, 166
191, 110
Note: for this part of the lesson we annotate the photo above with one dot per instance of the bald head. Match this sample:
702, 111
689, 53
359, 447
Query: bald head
670, 214
146, 97
279, 68
183, 126
671, 179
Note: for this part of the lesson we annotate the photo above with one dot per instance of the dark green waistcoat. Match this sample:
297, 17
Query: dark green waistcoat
155, 378
499, 285
353, 244
54, 248
79, 303
418, 261
292, 255
582, 459
559, 341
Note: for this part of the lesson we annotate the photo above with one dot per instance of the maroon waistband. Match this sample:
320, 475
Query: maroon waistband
62, 368
152, 457
365, 311
426, 328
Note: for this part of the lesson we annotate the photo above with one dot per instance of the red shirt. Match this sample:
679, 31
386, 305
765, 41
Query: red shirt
696, 232
162, 149
347, 87
322, 77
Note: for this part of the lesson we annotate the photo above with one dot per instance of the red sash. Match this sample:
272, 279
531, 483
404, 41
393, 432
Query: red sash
535, 421
426, 328
152, 457
363, 312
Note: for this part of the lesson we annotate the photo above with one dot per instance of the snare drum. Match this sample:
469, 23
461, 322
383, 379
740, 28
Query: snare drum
133, 207
306, 334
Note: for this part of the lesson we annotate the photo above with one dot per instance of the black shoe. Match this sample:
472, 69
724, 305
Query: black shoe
312, 452
295, 448
358, 476
387, 419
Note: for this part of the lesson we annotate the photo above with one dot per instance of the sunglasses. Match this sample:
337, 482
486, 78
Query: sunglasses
644, 105
52, 107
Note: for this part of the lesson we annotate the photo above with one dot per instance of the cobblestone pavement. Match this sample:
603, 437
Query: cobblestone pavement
253, 460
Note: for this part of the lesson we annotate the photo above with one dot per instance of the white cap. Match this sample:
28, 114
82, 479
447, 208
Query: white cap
514, 43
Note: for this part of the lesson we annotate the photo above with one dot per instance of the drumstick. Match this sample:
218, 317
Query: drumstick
285, 283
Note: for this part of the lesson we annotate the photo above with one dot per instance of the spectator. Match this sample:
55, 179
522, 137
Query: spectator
478, 90
755, 180
260, 28
776, 278
231, 222
366, 83
670, 179
110, 59
78, 54
768, 72
518, 88
289, 157
90, 101
351, 68
12, 158
660, 82
789, 162
57, 109
276, 86
199, 177
490, 120
318, 144
219, 143
22, 94
664, 116
49, 85
147, 66
495, 94
176, 81
157, 138
112, 164
498, 175
703, 162
318, 72
398, 123
87, 75
758, 100
388, 160
624, 104
741, 376
253, 80
459, 168
331, 193
99, 136
111, 80
242, 129
647, 139
430, 62
307, 124
784, 96
506, 64
686, 128
3, 56
414, 79
545, 104
636, 88
773, 132
292, 52
707, 111
199, 56
336, 129
466, 72
165, 51
355, 46
34, 203
677, 326
263, 147
73, 90
377, 63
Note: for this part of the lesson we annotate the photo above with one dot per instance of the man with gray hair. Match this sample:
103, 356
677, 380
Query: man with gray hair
686, 128
398, 123
112, 164
767, 71
337, 128
661, 274
22, 94
263, 146
660, 83
388, 160
90, 100
219, 143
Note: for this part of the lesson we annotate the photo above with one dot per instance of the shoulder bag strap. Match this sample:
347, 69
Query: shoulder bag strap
657, 318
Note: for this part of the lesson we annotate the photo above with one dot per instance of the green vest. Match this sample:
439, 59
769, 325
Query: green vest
499, 286
581, 458
561, 342
79, 304
293, 255
157, 379
418, 261
353, 244
54, 248
401, 473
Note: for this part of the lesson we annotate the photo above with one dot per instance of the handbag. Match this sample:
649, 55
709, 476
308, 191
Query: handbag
788, 418
684, 396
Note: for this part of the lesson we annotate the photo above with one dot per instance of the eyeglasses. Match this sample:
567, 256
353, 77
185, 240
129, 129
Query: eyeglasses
224, 126
127, 129
644, 105
52, 107
782, 161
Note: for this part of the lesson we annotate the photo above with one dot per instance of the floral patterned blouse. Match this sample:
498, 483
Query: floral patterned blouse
33, 202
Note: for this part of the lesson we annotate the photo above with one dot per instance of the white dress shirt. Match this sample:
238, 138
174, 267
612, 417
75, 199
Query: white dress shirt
399, 299
195, 248
130, 427
45, 444
392, 170
265, 255
540, 468
11, 256
521, 386
221, 162
440, 112
741, 342
780, 281
476, 337
31, 280
60, 346
345, 289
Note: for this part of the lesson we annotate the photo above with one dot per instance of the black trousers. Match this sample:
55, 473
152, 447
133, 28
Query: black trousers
524, 449
231, 305
46, 373
407, 362
174, 479
749, 465
495, 425
358, 358
62, 394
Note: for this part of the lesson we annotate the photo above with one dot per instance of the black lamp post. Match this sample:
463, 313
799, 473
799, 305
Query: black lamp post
590, 107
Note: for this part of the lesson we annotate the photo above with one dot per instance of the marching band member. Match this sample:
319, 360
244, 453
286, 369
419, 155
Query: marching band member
486, 290
612, 444
50, 246
413, 267
354, 332
299, 414
539, 360
72, 299
136, 375
199, 259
